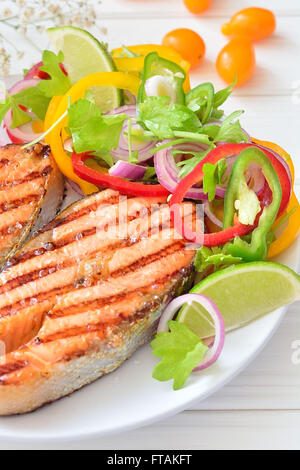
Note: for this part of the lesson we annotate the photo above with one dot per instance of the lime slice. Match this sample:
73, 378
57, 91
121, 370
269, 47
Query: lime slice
83, 55
242, 293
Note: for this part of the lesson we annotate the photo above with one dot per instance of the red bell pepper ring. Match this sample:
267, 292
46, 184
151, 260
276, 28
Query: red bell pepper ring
114, 182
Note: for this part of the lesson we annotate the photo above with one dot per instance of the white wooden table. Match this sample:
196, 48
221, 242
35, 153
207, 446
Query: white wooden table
261, 408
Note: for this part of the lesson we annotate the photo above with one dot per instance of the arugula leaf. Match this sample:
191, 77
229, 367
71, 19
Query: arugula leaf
216, 257
222, 95
213, 176
58, 83
90, 130
162, 119
181, 351
231, 131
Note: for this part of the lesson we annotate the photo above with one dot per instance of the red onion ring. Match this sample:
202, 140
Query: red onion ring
127, 170
214, 352
122, 152
167, 171
280, 159
22, 133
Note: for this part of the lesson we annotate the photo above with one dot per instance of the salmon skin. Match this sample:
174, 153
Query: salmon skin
84, 294
31, 191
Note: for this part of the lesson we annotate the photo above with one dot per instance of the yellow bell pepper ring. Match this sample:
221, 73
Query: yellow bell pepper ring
117, 79
292, 229
290, 232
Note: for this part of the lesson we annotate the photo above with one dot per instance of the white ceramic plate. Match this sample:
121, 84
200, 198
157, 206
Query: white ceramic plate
129, 398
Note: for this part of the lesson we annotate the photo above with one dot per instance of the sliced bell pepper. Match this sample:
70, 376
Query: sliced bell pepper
202, 96
117, 79
155, 65
207, 239
290, 232
292, 229
257, 249
114, 182
51, 111
226, 150
136, 64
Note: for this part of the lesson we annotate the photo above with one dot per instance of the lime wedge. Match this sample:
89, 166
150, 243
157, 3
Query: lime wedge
242, 293
83, 55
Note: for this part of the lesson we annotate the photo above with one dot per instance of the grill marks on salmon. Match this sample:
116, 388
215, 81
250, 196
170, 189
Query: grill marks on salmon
31, 191
84, 294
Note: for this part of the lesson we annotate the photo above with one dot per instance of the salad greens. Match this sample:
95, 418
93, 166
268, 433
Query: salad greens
91, 130
215, 257
37, 99
214, 175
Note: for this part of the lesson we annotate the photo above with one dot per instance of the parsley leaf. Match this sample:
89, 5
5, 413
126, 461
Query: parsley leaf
90, 130
58, 83
216, 257
213, 176
181, 351
162, 119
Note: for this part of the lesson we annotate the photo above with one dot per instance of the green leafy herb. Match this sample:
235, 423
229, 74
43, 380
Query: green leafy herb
90, 130
216, 257
150, 174
231, 131
223, 95
181, 351
213, 176
34, 100
162, 118
186, 166
58, 83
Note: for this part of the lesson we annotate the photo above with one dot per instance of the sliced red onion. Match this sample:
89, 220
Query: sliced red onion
255, 176
214, 219
122, 152
127, 170
280, 159
167, 171
22, 133
214, 352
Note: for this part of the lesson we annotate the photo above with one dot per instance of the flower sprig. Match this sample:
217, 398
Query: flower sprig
34, 16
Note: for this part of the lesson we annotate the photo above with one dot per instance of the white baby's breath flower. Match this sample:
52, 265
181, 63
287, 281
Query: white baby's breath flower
27, 16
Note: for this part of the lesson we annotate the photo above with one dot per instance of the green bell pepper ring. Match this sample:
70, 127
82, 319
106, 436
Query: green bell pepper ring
201, 101
240, 197
175, 76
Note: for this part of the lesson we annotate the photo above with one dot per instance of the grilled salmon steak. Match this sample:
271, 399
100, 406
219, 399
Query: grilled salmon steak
31, 190
85, 293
